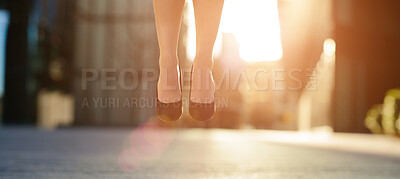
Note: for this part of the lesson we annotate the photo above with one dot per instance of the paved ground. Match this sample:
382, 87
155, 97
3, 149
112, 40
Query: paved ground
97, 153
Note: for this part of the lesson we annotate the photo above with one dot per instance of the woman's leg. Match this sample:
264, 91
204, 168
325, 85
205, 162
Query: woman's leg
207, 16
168, 15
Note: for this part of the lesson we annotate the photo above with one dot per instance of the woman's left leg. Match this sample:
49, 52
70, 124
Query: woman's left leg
207, 17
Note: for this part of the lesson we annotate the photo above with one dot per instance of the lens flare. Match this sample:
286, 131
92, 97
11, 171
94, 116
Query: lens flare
129, 160
151, 140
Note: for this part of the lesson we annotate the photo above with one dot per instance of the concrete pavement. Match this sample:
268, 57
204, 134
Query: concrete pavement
154, 153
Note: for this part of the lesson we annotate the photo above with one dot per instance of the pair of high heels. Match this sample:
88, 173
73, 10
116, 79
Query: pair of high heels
170, 112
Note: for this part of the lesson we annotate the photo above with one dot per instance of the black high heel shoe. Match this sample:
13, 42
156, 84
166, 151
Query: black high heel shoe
170, 112
200, 111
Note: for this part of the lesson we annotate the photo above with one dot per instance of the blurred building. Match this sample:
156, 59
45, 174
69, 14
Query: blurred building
116, 40
367, 58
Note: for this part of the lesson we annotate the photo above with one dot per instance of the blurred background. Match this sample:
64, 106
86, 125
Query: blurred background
329, 65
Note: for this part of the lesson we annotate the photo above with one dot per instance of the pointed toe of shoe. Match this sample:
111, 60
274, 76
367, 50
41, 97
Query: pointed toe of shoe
169, 112
201, 111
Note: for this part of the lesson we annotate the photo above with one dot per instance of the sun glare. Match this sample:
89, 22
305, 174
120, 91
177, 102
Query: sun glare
255, 24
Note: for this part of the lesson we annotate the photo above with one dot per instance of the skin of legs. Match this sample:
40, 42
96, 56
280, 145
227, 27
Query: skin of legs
168, 14
207, 17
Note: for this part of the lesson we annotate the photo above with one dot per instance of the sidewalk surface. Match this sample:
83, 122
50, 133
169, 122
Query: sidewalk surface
194, 153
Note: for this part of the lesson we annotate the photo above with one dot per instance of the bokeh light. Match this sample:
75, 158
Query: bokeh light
329, 47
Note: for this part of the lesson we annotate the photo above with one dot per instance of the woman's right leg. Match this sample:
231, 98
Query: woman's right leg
168, 15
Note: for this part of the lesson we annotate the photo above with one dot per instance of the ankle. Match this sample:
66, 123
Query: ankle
203, 61
168, 62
